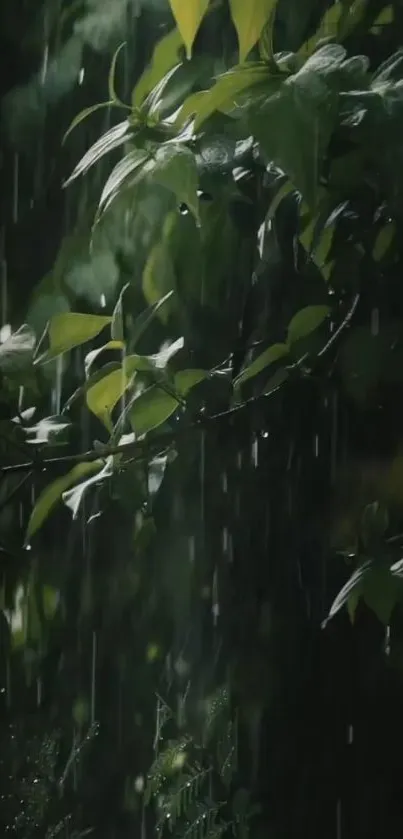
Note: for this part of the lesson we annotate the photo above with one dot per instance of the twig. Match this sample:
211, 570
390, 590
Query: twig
140, 448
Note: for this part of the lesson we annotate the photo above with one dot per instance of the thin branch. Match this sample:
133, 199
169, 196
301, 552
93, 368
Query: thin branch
139, 448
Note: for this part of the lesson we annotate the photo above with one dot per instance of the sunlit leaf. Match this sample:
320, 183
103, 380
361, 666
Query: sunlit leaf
306, 321
249, 19
188, 16
269, 356
52, 494
71, 329
16, 353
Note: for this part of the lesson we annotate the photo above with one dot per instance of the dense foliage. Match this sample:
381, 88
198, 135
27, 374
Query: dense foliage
200, 438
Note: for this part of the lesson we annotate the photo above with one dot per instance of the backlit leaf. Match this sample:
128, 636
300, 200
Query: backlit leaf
250, 17
104, 394
52, 494
71, 329
188, 15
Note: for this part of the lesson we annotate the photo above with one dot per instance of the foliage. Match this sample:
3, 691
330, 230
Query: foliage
234, 266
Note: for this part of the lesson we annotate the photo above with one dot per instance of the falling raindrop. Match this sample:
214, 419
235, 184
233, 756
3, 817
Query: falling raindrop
350, 735
103, 301
93, 675
316, 445
224, 480
375, 322
255, 452
4, 292
192, 549
387, 640
81, 76
16, 189
338, 820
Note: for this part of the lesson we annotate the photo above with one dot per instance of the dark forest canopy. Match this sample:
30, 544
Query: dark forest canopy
201, 496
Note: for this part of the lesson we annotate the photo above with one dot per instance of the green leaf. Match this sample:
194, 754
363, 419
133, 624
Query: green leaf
227, 88
188, 16
165, 56
249, 19
353, 587
52, 494
112, 75
154, 406
104, 394
176, 170
111, 140
16, 353
145, 318
86, 113
122, 176
381, 592
159, 278
295, 122
305, 322
111, 346
71, 329
73, 497
269, 356
117, 324
383, 241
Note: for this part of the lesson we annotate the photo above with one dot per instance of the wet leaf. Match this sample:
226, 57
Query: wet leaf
111, 140
16, 352
165, 56
381, 592
269, 356
249, 20
188, 17
70, 330
176, 170
104, 394
353, 587
73, 497
143, 320
122, 176
52, 494
384, 241
306, 321
154, 406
